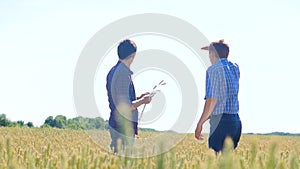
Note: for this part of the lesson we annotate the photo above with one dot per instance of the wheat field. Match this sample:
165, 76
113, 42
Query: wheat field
31, 148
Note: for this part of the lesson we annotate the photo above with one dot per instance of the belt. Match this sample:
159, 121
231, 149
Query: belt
226, 114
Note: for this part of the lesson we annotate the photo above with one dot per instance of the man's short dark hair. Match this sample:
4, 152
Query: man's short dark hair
126, 48
221, 48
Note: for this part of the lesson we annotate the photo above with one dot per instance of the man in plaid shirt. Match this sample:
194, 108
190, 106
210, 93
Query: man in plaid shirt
122, 99
221, 105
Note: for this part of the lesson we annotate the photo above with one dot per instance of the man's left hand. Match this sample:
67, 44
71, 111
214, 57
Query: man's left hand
144, 94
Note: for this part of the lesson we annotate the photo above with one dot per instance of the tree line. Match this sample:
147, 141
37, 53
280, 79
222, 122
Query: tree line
7, 123
61, 122
76, 123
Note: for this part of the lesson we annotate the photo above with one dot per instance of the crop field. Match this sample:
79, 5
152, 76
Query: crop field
40, 148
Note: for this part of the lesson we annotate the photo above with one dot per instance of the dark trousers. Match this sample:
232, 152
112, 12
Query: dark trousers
119, 140
222, 126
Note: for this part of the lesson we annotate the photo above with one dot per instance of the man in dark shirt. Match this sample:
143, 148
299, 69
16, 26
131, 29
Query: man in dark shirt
122, 99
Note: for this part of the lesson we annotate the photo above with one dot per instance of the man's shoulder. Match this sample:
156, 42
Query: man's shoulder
117, 70
233, 64
215, 68
111, 73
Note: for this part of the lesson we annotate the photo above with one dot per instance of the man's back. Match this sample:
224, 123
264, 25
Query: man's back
221, 98
223, 84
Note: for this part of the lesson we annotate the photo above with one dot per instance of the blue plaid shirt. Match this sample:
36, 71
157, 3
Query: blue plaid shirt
120, 91
222, 83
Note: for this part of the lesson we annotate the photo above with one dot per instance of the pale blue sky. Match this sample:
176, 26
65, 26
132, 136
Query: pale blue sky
40, 42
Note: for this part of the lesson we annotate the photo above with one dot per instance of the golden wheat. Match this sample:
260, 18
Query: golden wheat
31, 148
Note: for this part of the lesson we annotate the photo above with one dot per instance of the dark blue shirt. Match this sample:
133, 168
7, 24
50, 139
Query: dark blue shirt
121, 93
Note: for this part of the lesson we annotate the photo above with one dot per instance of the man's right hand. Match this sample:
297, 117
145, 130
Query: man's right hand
147, 98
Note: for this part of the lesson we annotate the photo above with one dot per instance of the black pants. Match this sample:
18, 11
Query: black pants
120, 139
222, 126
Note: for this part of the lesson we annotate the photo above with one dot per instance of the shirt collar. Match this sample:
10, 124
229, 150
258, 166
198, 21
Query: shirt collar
221, 60
224, 60
124, 67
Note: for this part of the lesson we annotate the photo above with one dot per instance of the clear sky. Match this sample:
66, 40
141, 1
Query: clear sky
40, 42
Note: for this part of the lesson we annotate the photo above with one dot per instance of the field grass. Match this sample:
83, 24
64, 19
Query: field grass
56, 148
